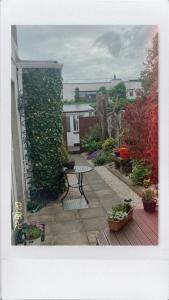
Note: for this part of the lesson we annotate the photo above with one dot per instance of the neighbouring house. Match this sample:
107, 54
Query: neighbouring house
20, 185
87, 91
72, 113
133, 87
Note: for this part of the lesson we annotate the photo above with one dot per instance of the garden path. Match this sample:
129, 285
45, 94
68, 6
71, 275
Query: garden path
82, 226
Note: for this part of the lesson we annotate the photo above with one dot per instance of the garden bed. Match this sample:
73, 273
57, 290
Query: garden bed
137, 189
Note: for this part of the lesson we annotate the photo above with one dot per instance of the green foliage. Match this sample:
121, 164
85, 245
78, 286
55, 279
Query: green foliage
140, 172
119, 212
92, 146
108, 144
64, 155
32, 232
103, 90
77, 96
122, 103
118, 91
102, 159
148, 195
42, 108
93, 140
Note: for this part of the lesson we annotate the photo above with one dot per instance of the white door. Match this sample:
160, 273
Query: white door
73, 135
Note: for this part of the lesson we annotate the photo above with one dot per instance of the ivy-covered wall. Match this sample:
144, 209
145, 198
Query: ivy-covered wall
41, 102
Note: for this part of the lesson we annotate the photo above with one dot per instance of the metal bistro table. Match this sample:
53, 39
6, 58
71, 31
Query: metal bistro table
79, 171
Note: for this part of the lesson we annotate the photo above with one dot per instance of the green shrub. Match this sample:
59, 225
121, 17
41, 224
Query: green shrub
64, 154
140, 172
108, 145
102, 159
41, 107
93, 140
93, 146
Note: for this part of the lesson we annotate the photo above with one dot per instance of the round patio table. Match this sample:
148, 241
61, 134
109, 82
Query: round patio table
79, 171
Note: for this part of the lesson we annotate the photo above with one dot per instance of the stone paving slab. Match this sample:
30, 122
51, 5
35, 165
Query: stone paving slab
94, 223
81, 227
71, 238
91, 213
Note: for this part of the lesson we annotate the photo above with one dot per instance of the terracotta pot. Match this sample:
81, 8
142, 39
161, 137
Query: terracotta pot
124, 152
150, 206
117, 225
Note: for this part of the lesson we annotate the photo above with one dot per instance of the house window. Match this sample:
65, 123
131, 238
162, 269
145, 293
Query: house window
76, 123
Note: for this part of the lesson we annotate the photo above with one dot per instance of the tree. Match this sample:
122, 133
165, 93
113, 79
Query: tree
101, 111
77, 96
149, 76
103, 90
118, 91
141, 118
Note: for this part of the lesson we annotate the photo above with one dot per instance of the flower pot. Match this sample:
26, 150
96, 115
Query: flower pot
34, 242
117, 225
70, 165
150, 206
124, 152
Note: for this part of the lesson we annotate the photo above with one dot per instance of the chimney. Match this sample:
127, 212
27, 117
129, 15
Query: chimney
114, 76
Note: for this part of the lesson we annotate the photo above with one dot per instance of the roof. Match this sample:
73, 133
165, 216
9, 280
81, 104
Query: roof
77, 107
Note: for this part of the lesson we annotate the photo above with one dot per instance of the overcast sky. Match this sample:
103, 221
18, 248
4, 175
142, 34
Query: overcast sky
88, 53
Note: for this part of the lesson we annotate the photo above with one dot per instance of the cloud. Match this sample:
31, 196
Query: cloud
88, 52
110, 41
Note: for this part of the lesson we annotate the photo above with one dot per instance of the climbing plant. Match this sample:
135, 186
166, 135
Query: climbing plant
42, 108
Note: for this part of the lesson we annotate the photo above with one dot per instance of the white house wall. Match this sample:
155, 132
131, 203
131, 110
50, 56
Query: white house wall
69, 88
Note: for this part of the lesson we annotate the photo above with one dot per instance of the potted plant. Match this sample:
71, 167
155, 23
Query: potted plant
149, 201
120, 215
33, 233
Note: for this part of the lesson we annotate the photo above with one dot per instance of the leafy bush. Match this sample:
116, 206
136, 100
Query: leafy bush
102, 159
41, 107
93, 146
108, 145
93, 140
140, 172
64, 154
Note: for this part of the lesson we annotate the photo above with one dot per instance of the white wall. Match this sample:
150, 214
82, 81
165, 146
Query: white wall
17, 173
69, 88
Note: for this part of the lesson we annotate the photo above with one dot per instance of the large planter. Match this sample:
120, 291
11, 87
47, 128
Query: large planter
150, 206
117, 225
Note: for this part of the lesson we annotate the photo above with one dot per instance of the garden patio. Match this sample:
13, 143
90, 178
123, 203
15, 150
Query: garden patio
83, 226
121, 146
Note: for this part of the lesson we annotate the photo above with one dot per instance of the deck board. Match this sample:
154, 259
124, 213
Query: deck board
142, 230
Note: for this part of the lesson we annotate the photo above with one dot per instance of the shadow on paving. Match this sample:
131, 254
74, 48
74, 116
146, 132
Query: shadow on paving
78, 227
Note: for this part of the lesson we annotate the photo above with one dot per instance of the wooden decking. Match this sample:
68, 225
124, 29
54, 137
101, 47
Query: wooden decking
141, 230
